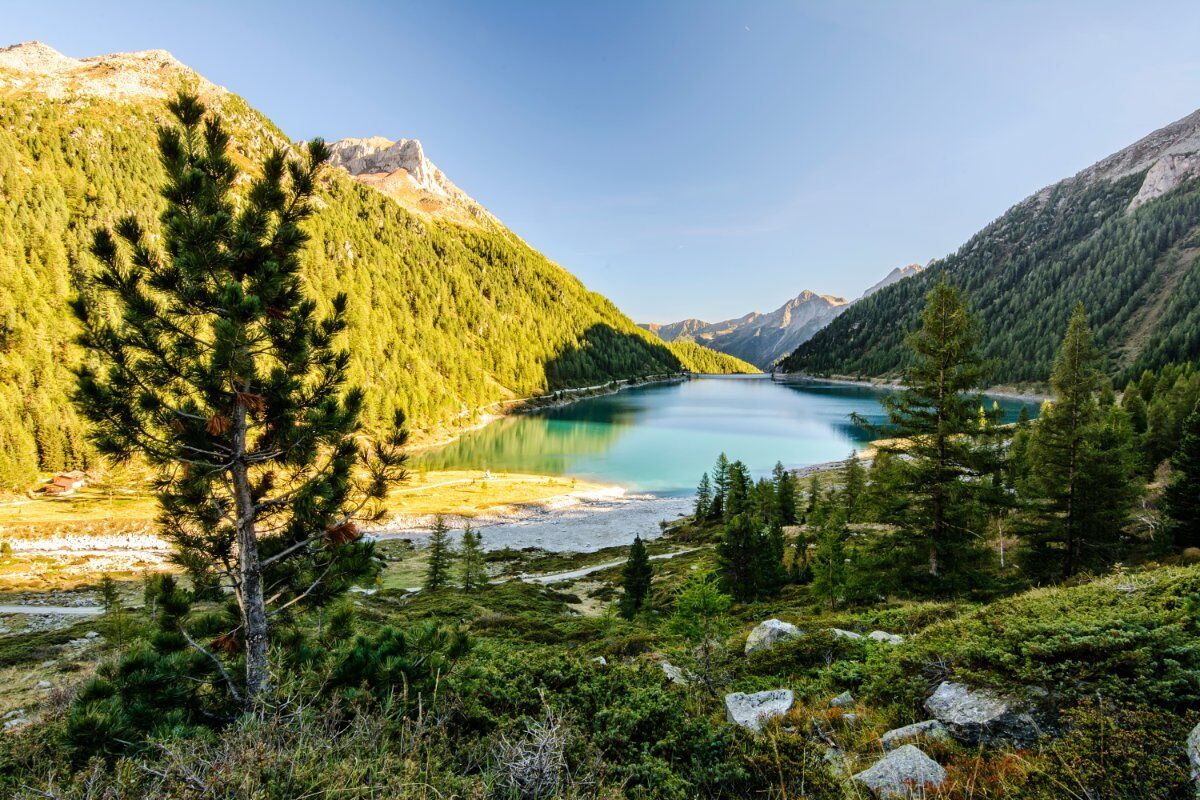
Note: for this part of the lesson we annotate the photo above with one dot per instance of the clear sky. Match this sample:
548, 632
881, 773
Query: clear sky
697, 158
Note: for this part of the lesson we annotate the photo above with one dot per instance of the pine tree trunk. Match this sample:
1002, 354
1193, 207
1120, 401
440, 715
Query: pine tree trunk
250, 596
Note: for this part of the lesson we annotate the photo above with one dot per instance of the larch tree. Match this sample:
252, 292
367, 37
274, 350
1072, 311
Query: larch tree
472, 570
934, 428
206, 358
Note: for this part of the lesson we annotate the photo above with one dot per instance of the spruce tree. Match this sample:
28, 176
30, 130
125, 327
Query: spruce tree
472, 571
1182, 496
739, 557
636, 576
1135, 407
1080, 465
704, 498
785, 495
829, 575
206, 357
437, 567
934, 428
720, 486
814, 495
737, 495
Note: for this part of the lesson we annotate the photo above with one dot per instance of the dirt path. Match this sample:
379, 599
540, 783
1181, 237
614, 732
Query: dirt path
62, 611
574, 574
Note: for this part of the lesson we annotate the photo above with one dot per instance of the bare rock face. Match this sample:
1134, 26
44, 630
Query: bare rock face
976, 716
929, 729
751, 711
1193, 751
903, 773
770, 633
156, 74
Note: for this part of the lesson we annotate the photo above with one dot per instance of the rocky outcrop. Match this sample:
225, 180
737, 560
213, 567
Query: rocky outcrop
976, 716
769, 633
885, 637
155, 74
929, 729
903, 773
751, 711
1193, 752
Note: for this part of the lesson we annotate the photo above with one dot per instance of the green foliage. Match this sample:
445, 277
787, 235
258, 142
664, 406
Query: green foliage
1027, 271
635, 579
941, 480
1082, 469
705, 361
828, 565
1182, 496
704, 498
437, 569
472, 570
751, 564
439, 318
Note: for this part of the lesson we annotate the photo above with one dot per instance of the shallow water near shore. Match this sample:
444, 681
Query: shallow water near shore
660, 438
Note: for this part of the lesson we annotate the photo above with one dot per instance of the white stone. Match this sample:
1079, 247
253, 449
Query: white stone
980, 715
885, 637
843, 700
929, 729
752, 710
845, 634
905, 772
770, 633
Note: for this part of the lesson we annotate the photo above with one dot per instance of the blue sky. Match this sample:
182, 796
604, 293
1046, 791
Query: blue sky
697, 158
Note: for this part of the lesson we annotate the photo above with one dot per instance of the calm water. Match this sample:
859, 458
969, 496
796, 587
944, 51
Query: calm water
660, 438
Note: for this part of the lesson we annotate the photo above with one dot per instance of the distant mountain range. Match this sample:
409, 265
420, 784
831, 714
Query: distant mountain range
763, 339
1121, 237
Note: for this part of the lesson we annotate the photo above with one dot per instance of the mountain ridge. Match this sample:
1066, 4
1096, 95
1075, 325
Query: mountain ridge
1121, 236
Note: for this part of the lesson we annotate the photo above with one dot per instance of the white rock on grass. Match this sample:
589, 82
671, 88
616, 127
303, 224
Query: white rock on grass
885, 637
674, 674
751, 711
843, 700
977, 716
905, 772
929, 729
770, 633
845, 634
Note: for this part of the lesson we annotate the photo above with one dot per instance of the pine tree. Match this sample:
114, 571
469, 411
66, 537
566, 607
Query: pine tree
829, 561
814, 495
934, 427
206, 358
785, 495
437, 567
704, 498
635, 579
700, 617
472, 570
1135, 407
801, 568
1182, 497
1080, 462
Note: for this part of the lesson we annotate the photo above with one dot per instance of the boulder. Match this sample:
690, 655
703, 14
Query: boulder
1193, 751
845, 634
674, 674
976, 716
752, 710
885, 637
770, 633
929, 729
843, 700
903, 773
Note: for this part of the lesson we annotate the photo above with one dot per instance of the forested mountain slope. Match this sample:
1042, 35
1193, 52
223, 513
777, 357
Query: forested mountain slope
445, 318
1121, 237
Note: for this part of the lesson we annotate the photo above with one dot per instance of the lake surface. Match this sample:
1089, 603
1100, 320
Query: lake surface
660, 438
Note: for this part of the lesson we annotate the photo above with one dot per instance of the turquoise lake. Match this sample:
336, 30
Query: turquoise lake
660, 438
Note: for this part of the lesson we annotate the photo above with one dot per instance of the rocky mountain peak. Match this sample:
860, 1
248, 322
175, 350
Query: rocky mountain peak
400, 169
38, 67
